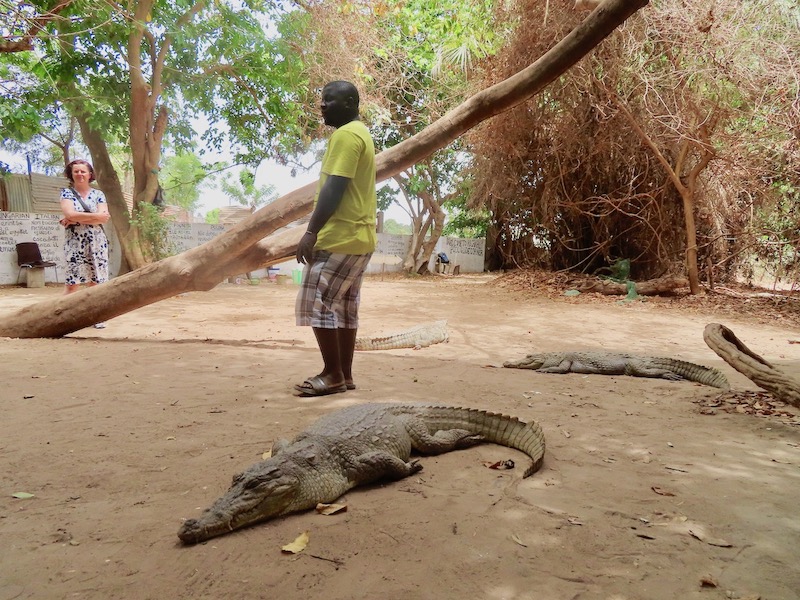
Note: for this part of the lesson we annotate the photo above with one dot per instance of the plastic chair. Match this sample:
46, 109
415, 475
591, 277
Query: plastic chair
30, 257
443, 265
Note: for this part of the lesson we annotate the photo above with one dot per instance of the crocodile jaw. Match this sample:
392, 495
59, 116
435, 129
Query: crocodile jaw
260, 493
532, 361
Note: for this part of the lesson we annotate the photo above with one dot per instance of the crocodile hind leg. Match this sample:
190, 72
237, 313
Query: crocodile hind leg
654, 373
440, 442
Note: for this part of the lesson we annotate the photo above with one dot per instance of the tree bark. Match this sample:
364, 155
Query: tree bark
242, 248
723, 341
148, 120
651, 287
431, 234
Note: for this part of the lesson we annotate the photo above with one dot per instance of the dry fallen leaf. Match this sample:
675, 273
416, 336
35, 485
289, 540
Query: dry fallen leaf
708, 581
700, 535
266, 455
500, 465
518, 541
330, 509
298, 545
669, 468
661, 491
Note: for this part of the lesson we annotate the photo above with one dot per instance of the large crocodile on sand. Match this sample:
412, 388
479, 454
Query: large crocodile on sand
617, 363
417, 337
351, 447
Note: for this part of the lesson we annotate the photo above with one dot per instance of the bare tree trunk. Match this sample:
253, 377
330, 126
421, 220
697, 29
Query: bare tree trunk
731, 349
435, 225
686, 191
148, 121
651, 287
243, 248
409, 262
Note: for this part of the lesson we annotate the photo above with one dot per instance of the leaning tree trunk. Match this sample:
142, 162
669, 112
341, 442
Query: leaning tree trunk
731, 349
242, 248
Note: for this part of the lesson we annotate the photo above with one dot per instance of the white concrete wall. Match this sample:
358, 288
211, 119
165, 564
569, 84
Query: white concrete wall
44, 229
468, 253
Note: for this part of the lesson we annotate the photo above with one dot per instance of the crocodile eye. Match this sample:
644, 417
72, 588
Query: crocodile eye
252, 483
237, 478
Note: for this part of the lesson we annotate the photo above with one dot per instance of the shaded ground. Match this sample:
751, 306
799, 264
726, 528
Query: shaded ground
649, 487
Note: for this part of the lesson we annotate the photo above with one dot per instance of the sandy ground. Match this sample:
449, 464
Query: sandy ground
121, 434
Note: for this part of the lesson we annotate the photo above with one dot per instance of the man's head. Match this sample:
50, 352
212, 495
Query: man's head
339, 103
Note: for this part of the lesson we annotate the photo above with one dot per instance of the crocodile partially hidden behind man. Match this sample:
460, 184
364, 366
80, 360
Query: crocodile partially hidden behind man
618, 363
355, 446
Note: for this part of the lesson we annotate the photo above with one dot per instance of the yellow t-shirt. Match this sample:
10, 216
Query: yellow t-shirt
351, 229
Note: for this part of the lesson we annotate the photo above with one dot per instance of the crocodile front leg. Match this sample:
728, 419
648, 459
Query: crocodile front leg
279, 446
379, 464
565, 366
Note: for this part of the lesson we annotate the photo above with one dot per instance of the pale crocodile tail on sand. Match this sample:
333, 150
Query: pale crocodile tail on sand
417, 337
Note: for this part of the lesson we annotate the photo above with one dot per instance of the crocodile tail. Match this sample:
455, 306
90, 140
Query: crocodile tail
495, 428
388, 342
698, 373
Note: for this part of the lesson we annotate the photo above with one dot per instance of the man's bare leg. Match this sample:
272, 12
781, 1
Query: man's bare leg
347, 347
328, 342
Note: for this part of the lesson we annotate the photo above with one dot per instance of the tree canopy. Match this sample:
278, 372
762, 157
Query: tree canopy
140, 73
667, 146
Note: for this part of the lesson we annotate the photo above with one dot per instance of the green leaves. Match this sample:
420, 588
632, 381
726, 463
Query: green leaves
182, 178
244, 191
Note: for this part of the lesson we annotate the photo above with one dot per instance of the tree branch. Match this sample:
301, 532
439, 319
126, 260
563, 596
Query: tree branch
37, 24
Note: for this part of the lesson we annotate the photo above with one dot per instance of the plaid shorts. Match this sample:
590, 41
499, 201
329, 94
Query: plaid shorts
331, 290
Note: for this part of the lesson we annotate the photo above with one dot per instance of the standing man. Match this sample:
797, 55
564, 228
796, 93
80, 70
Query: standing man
339, 241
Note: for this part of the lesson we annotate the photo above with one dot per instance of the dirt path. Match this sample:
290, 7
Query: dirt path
121, 433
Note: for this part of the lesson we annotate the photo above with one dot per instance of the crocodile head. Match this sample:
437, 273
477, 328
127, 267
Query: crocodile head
532, 361
266, 490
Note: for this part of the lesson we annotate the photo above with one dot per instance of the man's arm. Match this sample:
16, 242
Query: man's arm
330, 196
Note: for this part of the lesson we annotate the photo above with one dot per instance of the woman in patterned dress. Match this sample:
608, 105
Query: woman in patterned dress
85, 243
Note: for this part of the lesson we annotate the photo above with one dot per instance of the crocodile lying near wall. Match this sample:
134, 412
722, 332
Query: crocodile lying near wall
613, 363
351, 447
417, 337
